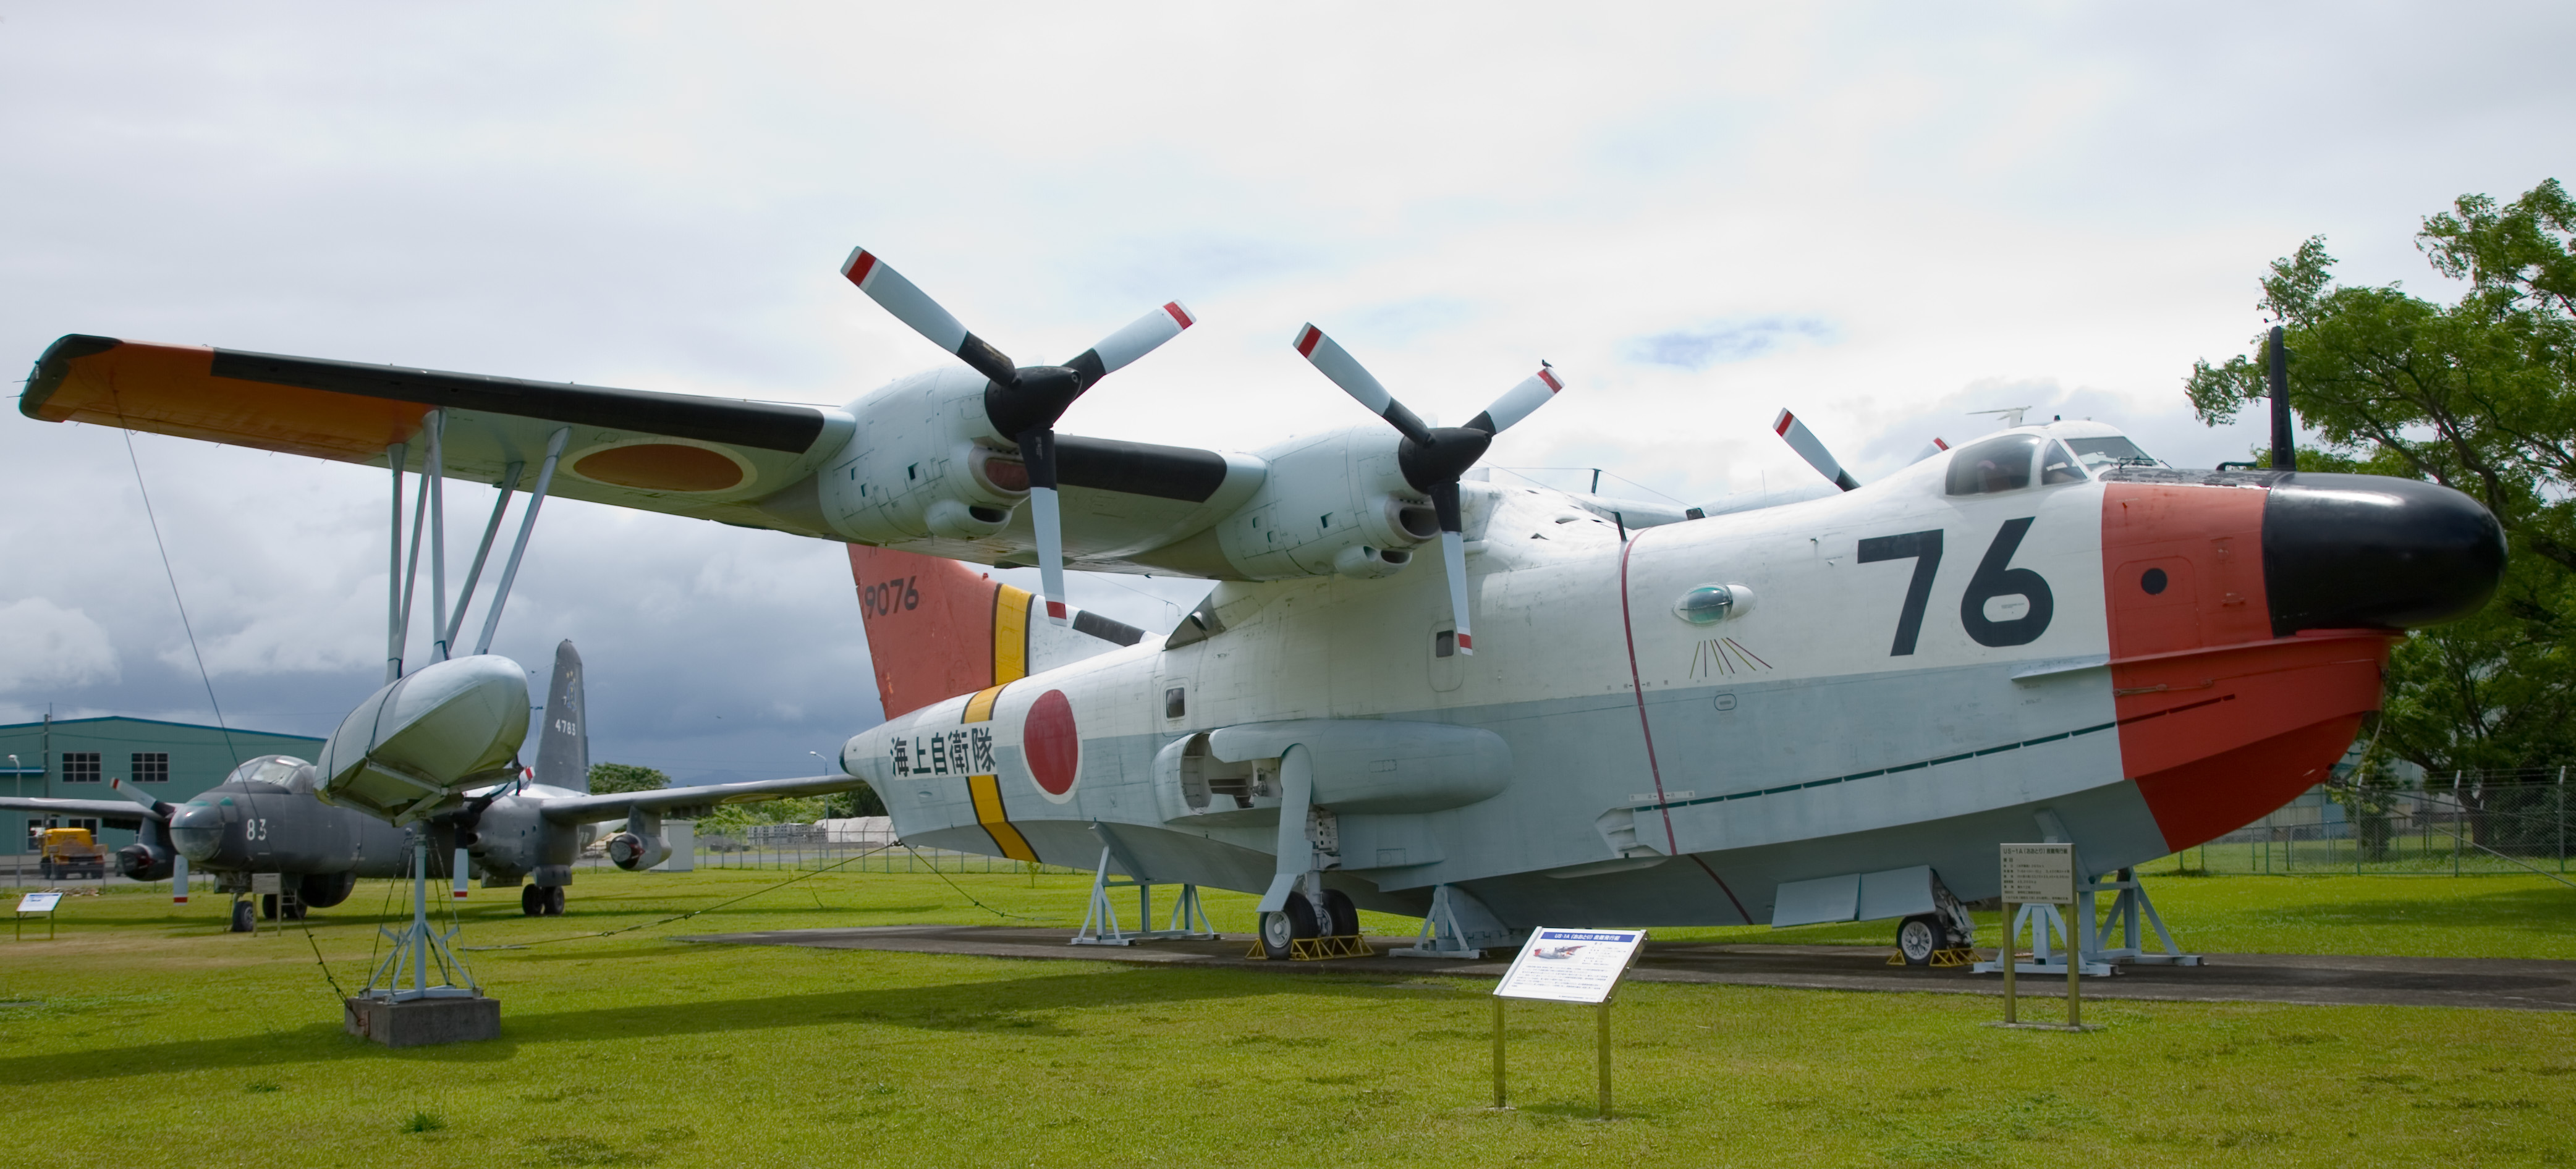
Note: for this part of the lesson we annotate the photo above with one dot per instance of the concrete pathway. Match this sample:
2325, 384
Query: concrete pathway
2506, 983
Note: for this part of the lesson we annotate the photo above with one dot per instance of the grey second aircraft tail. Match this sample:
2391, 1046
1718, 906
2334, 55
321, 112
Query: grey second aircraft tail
563, 746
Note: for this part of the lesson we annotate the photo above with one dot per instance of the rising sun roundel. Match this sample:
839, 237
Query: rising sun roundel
1053, 745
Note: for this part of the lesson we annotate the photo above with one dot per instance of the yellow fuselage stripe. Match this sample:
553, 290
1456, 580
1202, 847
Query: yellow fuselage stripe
1010, 634
980, 707
987, 791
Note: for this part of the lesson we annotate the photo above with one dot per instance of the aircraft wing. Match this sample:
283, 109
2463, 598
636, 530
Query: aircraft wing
104, 809
677, 453
593, 809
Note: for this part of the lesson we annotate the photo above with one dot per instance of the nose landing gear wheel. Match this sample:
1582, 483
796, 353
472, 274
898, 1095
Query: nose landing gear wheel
532, 900
1918, 937
241, 917
1280, 931
554, 901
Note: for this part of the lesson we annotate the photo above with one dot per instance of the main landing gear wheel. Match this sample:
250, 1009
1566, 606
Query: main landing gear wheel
554, 901
242, 923
532, 900
1918, 937
1280, 931
1340, 916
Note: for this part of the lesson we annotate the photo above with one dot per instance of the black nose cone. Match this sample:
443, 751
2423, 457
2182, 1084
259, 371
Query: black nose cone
2370, 551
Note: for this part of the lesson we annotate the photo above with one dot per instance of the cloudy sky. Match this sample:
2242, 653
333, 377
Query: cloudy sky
1882, 215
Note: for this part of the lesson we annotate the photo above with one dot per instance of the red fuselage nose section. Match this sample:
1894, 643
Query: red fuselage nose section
2220, 721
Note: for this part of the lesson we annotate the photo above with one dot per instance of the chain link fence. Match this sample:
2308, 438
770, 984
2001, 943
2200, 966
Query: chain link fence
2460, 824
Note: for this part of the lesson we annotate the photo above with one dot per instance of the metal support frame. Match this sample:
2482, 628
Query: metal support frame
1101, 927
519, 547
1441, 936
2131, 909
395, 456
434, 474
483, 551
2043, 921
417, 946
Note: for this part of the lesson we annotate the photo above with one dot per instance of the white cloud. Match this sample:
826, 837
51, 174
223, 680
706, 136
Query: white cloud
44, 644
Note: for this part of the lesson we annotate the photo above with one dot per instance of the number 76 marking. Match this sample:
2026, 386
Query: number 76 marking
1994, 578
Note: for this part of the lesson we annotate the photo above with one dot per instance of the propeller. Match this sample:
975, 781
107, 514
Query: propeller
1022, 403
1803, 441
1433, 458
1934, 447
159, 810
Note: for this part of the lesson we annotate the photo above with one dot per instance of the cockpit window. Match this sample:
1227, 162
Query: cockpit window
277, 770
2113, 451
1997, 464
2058, 465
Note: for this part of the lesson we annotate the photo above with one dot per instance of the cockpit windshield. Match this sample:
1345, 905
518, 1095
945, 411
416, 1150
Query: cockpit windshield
2109, 451
274, 770
2006, 463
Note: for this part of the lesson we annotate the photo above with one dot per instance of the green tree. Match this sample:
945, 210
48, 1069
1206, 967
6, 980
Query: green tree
2478, 395
610, 778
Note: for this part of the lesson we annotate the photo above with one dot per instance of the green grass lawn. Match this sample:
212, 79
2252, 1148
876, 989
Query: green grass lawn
2500, 916
154, 1038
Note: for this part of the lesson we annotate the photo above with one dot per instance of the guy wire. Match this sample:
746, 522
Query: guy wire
166, 571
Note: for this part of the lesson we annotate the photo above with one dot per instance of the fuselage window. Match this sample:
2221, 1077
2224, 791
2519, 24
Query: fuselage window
1176, 702
1997, 464
2059, 465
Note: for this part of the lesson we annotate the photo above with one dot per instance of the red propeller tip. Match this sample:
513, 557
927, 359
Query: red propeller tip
1055, 610
1306, 341
1466, 644
1780, 425
1180, 314
858, 265
1553, 385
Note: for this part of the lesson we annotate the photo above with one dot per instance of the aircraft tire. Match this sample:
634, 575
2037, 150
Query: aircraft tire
1918, 937
242, 922
1279, 931
1341, 917
554, 901
532, 900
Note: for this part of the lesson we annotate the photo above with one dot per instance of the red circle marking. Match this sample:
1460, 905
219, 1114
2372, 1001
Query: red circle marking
1054, 746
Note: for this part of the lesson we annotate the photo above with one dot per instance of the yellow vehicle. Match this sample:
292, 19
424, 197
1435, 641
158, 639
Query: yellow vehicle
70, 853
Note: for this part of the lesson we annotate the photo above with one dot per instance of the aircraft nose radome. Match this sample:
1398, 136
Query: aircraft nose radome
197, 832
2371, 551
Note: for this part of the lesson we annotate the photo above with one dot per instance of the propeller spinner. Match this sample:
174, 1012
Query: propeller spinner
1022, 403
1433, 458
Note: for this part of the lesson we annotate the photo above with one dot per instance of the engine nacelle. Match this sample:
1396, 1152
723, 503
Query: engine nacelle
635, 853
143, 862
1337, 504
925, 462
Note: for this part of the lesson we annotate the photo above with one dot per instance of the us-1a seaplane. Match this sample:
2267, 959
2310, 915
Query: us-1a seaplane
1586, 711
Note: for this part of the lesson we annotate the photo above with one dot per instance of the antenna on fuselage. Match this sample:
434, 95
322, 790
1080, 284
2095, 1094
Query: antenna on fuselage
2285, 455
2010, 414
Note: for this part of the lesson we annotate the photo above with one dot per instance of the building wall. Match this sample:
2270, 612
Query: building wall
199, 758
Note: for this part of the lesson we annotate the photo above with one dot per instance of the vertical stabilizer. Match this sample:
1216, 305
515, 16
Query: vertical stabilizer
937, 628
563, 747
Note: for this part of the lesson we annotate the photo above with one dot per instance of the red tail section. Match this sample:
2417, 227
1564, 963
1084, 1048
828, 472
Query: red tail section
937, 628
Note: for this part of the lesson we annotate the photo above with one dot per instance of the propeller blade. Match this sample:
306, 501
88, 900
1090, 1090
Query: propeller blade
1936, 446
1037, 452
1519, 401
178, 878
158, 809
460, 867
1338, 365
1803, 441
1121, 349
1453, 557
914, 307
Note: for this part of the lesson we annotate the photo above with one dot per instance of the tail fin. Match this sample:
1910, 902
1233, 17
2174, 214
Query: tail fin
563, 747
938, 628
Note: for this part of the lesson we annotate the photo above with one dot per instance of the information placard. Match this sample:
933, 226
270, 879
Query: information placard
1571, 966
2041, 874
39, 902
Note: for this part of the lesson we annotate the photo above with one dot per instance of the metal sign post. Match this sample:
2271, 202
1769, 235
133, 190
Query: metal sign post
1568, 966
2039, 874
44, 903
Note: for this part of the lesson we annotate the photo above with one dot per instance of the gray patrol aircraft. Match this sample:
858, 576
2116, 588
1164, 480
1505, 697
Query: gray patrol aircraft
271, 814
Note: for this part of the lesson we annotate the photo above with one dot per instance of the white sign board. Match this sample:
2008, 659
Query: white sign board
1571, 966
266, 883
39, 902
2039, 874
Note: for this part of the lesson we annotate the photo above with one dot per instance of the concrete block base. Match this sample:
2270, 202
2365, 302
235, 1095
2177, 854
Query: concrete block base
421, 1022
